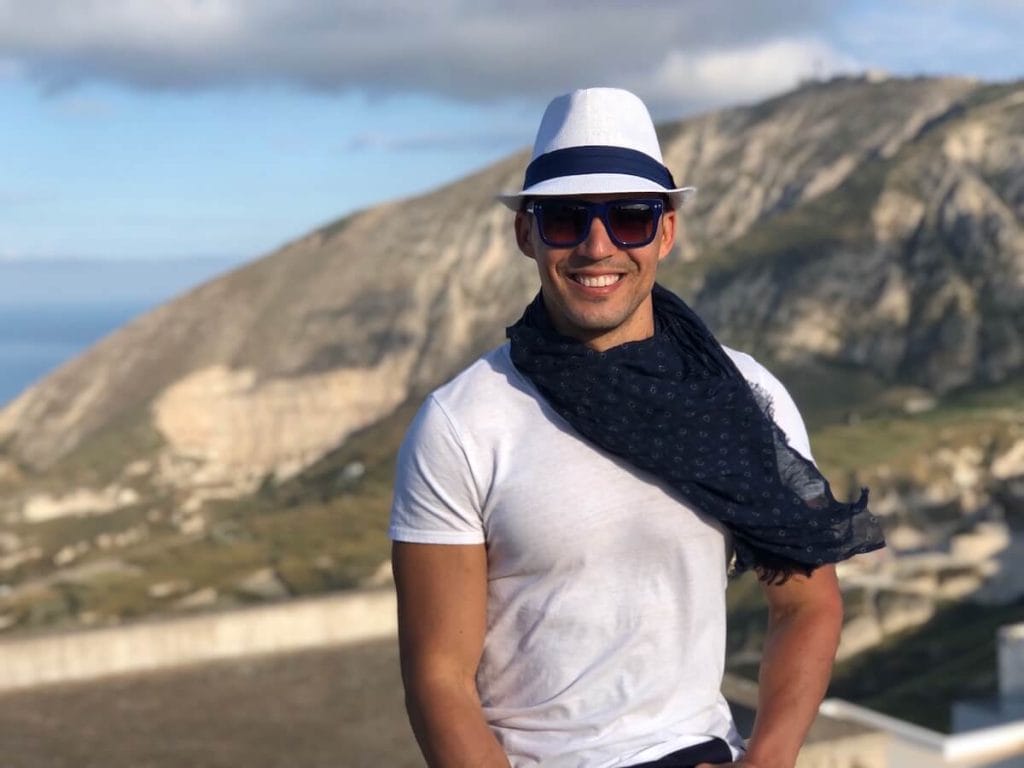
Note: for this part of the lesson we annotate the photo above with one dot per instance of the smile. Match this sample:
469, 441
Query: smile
596, 281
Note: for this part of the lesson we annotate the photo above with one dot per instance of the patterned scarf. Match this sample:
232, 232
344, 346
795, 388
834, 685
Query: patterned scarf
675, 405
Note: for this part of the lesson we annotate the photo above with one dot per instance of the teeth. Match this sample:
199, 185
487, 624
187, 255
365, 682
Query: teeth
598, 281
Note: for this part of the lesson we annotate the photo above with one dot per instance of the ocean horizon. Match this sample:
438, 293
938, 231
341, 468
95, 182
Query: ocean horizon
53, 311
36, 341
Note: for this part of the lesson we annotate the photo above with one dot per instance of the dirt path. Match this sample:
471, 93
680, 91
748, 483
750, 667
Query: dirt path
337, 708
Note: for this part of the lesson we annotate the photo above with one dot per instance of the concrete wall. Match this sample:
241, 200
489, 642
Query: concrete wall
337, 619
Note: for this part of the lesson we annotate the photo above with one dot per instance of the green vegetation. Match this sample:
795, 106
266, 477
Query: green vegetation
53, 535
323, 530
917, 674
982, 417
828, 394
108, 596
327, 528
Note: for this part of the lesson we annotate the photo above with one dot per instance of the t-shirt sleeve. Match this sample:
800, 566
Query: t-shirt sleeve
436, 500
784, 410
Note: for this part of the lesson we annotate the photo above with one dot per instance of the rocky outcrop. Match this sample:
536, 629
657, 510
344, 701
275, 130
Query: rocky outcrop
912, 268
954, 530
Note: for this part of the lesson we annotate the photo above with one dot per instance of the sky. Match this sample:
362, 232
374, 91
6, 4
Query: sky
183, 129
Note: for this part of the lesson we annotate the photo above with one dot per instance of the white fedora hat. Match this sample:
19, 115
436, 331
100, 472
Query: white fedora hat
596, 141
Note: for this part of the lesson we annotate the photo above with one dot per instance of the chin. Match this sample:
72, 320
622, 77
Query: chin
589, 325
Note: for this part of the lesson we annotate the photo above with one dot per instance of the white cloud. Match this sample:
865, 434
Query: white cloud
722, 76
477, 50
678, 55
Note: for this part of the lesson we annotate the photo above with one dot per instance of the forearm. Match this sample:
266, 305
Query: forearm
450, 727
796, 665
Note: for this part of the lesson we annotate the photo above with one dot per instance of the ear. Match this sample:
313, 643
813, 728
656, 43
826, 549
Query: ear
524, 226
668, 233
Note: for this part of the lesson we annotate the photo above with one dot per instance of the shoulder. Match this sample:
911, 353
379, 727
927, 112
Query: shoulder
488, 386
471, 398
752, 370
490, 372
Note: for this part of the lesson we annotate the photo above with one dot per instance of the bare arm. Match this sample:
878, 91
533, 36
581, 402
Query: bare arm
804, 621
442, 616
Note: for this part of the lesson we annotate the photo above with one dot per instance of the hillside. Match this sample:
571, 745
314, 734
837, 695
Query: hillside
864, 239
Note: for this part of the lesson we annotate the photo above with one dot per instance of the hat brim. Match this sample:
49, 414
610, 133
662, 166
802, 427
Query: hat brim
596, 184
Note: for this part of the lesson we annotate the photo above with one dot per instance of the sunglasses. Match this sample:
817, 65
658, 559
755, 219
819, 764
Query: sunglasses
566, 223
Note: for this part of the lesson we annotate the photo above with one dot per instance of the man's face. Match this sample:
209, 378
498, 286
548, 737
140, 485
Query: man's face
597, 292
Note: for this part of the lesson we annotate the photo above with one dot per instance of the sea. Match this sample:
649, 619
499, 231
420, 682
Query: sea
53, 310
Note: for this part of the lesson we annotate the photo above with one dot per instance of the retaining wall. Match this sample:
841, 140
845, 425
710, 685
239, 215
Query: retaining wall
297, 624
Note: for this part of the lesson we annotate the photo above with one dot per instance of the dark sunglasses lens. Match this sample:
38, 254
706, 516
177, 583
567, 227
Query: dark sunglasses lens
633, 223
563, 223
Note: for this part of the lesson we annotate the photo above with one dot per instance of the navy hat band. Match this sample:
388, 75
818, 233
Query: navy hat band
575, 161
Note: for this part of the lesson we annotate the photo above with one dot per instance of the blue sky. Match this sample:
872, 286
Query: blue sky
223, 128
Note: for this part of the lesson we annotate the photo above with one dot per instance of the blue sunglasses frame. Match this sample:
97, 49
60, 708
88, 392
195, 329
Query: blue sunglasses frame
536, 209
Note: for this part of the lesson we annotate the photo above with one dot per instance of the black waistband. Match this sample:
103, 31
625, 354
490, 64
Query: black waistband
714, 751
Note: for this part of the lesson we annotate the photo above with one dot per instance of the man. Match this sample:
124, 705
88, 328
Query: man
566, 508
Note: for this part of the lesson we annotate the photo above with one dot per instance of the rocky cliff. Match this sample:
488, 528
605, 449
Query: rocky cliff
909, 260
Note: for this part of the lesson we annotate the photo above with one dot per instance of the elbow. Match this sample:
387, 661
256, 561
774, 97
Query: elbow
834, 606
830, 607
834, 616
827, 616
817, 610
426, 690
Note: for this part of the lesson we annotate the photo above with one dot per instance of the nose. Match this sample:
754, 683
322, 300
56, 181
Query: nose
598, 244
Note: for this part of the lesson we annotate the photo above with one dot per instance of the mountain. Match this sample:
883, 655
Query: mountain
863, 237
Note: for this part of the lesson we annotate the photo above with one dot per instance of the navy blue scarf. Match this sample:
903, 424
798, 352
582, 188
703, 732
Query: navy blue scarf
675, 405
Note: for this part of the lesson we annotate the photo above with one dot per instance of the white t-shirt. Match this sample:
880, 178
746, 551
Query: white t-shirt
605, 641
